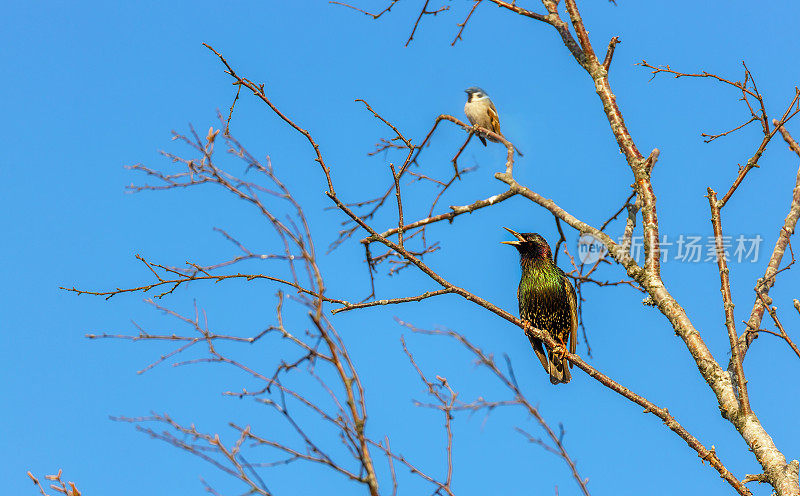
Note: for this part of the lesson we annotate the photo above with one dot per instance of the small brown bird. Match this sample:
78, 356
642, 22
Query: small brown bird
547, 301
480, 111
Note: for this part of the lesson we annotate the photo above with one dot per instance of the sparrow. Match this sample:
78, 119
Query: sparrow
547, 301
481, 112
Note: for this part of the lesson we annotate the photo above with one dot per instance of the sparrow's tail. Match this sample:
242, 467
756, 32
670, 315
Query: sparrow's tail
515, 148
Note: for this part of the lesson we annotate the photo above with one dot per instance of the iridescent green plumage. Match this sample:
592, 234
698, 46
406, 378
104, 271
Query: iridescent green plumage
547, 301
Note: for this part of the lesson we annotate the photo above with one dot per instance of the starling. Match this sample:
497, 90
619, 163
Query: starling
547, 301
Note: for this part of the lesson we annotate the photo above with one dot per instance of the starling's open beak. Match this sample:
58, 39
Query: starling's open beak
517, 235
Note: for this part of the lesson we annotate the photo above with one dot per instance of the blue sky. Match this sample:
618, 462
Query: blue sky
91, 87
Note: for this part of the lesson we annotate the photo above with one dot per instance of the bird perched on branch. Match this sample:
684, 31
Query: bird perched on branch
481, 112
547, 302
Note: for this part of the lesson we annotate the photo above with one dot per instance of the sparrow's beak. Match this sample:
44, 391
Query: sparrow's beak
517, 235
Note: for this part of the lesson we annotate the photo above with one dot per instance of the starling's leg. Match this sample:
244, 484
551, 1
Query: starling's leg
527, 324
560, 350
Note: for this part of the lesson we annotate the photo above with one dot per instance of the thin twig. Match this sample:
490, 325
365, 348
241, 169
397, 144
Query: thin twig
727, 300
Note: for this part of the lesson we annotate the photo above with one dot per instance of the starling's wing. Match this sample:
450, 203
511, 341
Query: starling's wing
494, 119
573, 312
538, 348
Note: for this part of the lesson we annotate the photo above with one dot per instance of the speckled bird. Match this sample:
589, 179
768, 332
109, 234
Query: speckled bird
547, 301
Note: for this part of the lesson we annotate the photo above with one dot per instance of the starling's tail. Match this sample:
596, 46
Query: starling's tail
559, 368
483, 140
